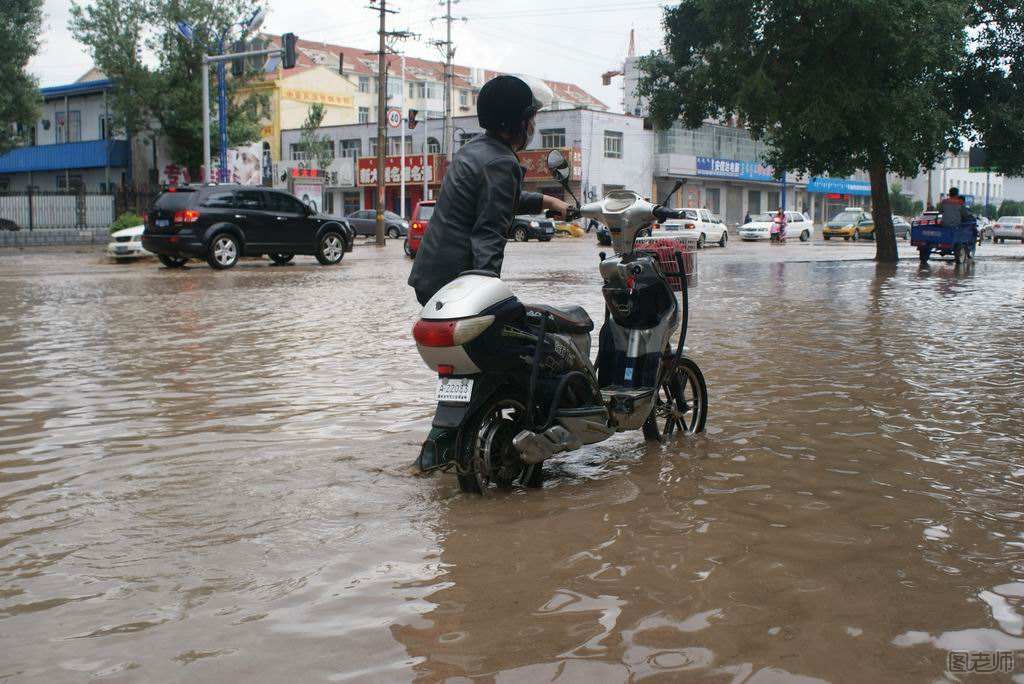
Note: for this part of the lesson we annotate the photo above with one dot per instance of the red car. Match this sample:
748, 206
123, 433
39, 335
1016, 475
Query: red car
417, 226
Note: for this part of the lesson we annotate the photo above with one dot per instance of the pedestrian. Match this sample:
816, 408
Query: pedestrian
483, 189
778, 229
746, 218
592, 223
954, 212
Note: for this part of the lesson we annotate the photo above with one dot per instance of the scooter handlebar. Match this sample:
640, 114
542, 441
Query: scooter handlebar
571, 213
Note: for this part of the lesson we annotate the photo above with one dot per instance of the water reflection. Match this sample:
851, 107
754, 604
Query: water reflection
213, 484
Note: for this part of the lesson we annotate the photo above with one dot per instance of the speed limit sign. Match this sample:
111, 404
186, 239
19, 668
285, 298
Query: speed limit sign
394, 118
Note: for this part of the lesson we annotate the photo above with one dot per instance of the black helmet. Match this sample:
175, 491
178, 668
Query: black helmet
505, 102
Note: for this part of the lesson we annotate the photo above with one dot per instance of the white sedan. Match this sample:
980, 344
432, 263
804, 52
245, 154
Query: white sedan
127, 244
760, 226
698, 224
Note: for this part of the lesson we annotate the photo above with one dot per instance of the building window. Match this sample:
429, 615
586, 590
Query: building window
433, 146
351, 148
71, 182
295, 152
364, 115
394, 145
69, 126
350, 202
421, 89
106, 127
464, 98
373, 146
713, 200
613, 144
394, 87
364, 84
554, 137
754, 202
411, 88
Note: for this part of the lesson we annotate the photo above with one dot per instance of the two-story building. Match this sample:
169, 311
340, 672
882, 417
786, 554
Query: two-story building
72, 145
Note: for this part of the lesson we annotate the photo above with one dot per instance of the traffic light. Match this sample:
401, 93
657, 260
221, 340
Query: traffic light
288, 42
412, 118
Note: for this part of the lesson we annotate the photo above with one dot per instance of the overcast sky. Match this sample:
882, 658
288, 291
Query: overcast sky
571, 40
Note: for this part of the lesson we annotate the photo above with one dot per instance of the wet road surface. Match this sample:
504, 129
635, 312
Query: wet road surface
202, 478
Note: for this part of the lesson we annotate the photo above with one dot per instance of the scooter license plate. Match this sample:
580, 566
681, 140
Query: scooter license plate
455, 390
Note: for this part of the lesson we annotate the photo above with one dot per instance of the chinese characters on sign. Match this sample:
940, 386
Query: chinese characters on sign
536, 163
731, 168
414, 170
981, 662
311, 96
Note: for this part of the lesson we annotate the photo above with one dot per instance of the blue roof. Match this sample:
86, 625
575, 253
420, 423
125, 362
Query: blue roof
83, 88
77, 155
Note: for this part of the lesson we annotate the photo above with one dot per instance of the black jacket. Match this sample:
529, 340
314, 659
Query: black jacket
481, 193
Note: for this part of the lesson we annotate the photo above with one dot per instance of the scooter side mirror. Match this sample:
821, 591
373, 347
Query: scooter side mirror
558, 166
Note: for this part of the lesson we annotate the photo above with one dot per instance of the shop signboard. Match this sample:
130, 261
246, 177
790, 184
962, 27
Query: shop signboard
841, 186
536, 163
366, 171
732, 168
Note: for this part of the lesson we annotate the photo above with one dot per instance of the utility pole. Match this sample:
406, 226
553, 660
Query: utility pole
448, 52
382, 111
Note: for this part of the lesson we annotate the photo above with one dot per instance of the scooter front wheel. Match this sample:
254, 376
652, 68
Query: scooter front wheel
681, 403
486, 454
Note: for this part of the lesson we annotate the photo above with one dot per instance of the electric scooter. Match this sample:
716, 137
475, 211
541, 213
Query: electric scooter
516, 383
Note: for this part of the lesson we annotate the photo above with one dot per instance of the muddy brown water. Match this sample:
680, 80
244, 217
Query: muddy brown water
202, 479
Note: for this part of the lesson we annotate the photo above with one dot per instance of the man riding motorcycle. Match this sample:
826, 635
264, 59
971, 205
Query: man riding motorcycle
482, 189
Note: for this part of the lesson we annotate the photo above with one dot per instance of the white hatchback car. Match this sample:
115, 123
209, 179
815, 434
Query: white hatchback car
127, 244
760, 227
699, 224
1008, 228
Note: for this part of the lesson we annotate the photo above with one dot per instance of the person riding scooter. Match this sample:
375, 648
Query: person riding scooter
482, 189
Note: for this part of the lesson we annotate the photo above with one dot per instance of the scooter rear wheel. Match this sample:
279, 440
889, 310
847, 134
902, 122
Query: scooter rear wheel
681, 404
486, 453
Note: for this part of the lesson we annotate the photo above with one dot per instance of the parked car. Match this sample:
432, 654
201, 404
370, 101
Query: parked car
220, 223
421, 214
1008, 228
365, 223
127, 244
537, 226
798, 225
699, 224
853, 223
7, 224
901, 226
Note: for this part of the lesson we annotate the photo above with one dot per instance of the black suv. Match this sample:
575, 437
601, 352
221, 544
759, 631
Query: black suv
537, 227
220, 223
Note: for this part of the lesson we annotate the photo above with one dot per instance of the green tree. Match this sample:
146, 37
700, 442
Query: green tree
902, 205
832, 86
314, 146
991, 87
165, 97
20, 23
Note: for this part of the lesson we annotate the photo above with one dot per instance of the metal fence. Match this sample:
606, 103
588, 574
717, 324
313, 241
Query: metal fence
56, 210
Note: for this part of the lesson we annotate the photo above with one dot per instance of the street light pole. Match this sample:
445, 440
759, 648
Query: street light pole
206, 120
222, 113
401, 199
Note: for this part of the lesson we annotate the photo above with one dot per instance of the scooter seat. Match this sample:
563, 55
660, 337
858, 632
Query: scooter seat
572, 320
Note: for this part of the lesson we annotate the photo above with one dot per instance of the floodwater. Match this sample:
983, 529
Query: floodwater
202, 478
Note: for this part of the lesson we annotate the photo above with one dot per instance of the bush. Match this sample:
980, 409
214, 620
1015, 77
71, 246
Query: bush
126, 220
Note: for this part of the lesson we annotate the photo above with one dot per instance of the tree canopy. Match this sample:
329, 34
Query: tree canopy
20, 24
168, 92
833, 86
315, 146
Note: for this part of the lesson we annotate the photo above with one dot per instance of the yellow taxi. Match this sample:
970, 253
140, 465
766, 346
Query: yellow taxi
853, 223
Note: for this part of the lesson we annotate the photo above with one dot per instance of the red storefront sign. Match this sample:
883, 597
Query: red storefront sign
366, 170
536, 163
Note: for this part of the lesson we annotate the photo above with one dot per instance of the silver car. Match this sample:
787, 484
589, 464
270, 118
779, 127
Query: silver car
365, 223
1008, 228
